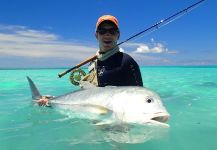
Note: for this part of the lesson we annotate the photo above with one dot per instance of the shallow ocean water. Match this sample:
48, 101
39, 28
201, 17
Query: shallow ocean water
188, 93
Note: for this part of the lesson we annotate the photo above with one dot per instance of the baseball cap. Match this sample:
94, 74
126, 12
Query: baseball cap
107, 18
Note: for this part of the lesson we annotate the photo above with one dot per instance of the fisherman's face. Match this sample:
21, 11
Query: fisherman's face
107, 34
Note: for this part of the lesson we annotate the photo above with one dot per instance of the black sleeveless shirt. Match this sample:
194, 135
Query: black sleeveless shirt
118, 70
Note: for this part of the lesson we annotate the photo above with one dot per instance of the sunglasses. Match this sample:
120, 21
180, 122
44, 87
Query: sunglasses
103, 31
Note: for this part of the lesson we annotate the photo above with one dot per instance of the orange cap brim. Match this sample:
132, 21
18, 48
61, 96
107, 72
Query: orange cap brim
107, 18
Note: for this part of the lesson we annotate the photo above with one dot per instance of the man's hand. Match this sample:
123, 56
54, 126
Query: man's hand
43, 101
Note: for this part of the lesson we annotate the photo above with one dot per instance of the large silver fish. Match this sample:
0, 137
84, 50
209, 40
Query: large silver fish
127, 104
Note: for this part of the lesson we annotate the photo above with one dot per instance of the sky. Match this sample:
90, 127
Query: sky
61, 33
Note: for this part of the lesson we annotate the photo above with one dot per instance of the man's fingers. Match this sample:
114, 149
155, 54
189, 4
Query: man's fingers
42, 102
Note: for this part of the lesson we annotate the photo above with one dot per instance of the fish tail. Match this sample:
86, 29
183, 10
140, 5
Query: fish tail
35, 93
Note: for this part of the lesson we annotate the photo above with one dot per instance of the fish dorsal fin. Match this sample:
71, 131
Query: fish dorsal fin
35, 93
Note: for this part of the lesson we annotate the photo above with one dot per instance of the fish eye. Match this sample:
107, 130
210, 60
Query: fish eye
149, 100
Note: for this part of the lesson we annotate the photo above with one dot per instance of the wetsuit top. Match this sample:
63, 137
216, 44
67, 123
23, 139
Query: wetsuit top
119, 69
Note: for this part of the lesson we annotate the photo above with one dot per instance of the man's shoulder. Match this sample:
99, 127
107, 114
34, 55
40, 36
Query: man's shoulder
122, 55
127, 56
128, 59
122, 59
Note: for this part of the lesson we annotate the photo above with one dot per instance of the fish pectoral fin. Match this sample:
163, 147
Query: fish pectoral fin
92, 108
101, 123
101, 110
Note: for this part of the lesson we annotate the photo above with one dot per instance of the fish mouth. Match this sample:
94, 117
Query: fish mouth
160, 119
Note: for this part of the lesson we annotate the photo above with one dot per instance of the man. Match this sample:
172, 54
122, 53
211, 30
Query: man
112, 67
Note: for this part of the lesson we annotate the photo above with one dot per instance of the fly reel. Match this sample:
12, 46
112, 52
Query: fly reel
76, 76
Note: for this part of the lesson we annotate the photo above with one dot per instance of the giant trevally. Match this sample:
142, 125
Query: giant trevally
111, 105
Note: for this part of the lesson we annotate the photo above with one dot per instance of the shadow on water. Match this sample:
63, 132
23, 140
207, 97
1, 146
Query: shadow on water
207, 84
115, 132
40, 122
128, 133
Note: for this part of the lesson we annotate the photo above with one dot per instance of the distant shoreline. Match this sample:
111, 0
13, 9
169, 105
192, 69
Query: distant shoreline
37, 68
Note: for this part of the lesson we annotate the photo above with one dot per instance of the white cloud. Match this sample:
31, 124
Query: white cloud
157, 48
21, 46
150, 60
149, 48
139, 50
142, 59
37, 35
121, 49
24, 42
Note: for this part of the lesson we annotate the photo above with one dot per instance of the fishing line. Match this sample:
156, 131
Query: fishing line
163, 22
142, 33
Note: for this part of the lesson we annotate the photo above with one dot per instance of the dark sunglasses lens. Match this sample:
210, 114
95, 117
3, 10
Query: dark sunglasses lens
112, 31
104, 31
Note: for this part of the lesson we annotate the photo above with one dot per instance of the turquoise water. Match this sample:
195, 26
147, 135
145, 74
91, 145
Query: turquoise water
188, 93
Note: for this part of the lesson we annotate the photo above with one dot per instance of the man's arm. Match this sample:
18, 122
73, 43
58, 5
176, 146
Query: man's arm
133, 74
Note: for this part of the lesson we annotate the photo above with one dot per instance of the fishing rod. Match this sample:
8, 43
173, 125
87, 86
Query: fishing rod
148, 30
